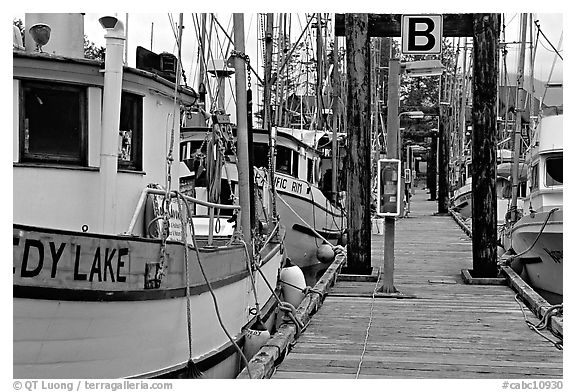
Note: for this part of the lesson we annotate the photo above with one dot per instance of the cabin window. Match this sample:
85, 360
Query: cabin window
261, 155
310, 170
53, 124
130, 133
554, 171
295, 163
283, 159
534, 178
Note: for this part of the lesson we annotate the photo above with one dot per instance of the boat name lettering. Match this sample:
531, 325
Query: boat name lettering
556, 255
101, 264
283, 183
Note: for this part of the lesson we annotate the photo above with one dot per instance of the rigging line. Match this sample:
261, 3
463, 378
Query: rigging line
177, 44
219, 45
203, 53
295, 45
231, 40
547, 40
551, 71
209, 285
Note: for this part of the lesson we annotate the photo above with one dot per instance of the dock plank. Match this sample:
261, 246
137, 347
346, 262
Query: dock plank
445, 329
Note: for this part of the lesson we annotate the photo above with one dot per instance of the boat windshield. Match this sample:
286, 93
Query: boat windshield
554, 171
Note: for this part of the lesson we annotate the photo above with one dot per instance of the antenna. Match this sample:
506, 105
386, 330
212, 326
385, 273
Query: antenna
40, 33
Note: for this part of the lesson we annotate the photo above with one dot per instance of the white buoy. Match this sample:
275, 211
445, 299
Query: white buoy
293, 282
256, 336
325, 253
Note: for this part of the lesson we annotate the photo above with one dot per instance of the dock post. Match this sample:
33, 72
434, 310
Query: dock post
443, 161
392, 152
485, 88
359, 145
432, 164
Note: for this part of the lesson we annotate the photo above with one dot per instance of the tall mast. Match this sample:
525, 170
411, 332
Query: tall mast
319, 72
462, 118
269, 43
518, 126
279, 83
269, 36
335, 97
242, 132
202, 70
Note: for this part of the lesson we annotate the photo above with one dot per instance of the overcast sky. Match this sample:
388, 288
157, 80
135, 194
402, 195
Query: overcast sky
161, 38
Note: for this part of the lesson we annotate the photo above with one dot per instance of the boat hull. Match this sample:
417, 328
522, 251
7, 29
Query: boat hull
302, 206
462, 202
543, 264
80, 309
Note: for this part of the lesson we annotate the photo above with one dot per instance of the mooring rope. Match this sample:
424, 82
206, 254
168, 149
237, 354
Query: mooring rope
210, 289
365, 345
536, 328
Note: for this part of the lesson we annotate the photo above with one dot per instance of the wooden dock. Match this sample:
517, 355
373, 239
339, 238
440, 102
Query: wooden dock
440, 328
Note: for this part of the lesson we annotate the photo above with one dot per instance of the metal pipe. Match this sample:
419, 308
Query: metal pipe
110, 121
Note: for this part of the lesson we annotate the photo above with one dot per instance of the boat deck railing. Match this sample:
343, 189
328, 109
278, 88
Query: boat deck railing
212, 207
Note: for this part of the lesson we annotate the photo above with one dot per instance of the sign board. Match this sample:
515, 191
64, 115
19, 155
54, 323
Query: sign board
422, 34
389, 188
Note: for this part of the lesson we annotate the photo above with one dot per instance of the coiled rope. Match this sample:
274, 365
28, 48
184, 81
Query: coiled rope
543, 324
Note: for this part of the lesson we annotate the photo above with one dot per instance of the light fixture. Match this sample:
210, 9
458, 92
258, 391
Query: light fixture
40, 33
423, 68
413, 114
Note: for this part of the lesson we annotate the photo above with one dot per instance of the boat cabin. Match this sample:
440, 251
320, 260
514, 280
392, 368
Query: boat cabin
545, 157
59, 131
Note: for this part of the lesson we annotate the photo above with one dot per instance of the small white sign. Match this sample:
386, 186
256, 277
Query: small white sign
422, 34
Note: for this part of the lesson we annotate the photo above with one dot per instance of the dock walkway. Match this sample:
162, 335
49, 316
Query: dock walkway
443, 328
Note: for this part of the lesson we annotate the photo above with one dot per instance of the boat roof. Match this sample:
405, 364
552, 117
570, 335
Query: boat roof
188, 94
548, 135
193, 133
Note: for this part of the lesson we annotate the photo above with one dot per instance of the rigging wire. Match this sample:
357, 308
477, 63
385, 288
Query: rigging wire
547, 40
202, 50
209, 285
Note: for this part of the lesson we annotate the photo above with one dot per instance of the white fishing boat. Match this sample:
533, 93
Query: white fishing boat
303, 209
536, 240
298, 176
462, 199
504, 190
112, 276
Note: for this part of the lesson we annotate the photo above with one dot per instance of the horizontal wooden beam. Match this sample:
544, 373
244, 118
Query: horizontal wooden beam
388, 25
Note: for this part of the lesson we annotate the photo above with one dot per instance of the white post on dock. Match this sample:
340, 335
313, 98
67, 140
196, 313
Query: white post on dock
393, 130
110, 120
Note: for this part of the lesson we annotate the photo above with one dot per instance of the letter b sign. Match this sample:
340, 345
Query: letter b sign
421, 34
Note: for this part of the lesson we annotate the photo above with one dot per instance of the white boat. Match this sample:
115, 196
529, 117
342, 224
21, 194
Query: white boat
462, 199
536, 239
303, 209
108, 280
504, 190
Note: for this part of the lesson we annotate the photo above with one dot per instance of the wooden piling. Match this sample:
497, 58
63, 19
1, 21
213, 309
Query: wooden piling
432, 164
485, 85
443, 161
359, 145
